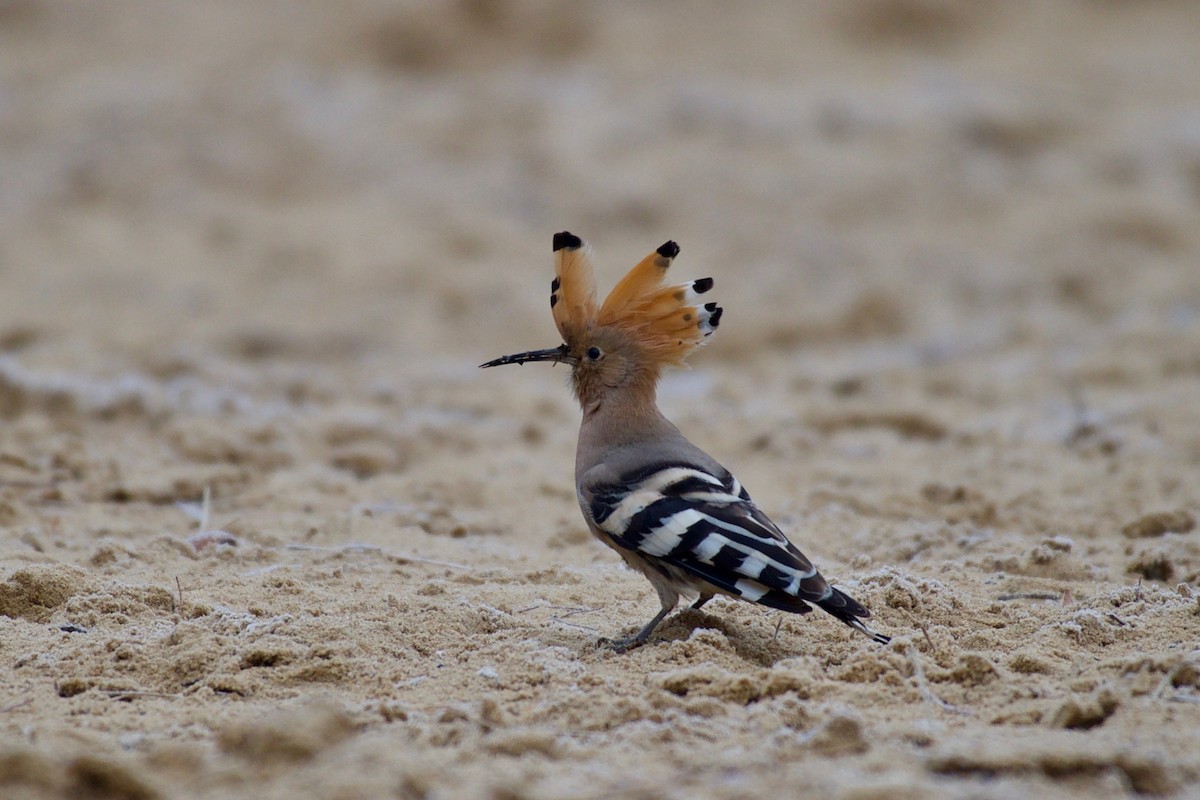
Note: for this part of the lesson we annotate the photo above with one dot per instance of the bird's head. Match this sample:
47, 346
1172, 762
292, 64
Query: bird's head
641, 327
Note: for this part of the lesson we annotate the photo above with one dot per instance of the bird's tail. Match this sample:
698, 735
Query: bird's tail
851, 612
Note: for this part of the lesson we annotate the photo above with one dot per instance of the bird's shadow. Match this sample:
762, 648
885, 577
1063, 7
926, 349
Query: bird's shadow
749, 642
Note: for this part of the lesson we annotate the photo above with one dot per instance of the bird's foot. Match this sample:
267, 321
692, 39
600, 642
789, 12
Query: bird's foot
622, 645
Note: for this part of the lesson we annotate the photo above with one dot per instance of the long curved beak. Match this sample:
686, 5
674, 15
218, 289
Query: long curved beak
557, 355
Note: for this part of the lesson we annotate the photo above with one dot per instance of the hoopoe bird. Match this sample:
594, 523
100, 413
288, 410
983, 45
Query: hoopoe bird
667, 507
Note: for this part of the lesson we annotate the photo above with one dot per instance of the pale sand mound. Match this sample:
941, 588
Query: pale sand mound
259, 249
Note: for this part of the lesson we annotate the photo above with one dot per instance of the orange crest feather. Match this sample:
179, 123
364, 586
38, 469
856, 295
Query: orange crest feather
665, 322
573, 290
646, 276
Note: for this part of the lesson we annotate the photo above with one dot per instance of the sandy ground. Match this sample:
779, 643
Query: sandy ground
259, 250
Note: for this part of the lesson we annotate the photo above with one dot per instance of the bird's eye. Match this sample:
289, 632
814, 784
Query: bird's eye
593, 353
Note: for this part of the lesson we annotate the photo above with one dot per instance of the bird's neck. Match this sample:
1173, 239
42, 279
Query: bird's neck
619, 418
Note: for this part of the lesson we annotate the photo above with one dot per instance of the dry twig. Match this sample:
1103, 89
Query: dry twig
923, 686
370, 548
587, 628
15, 705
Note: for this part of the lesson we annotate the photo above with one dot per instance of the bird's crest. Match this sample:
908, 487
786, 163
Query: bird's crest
573, 290
665, 322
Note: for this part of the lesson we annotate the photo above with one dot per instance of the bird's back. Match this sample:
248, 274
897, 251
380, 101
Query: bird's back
668, 505
670, 501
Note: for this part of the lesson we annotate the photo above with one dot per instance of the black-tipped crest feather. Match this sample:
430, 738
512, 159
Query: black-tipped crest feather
568, 240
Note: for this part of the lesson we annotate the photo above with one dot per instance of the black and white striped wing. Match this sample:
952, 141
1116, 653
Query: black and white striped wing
707, 526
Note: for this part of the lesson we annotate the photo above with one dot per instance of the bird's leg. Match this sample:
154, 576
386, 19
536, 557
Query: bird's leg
699, 604
669, 599
638, 639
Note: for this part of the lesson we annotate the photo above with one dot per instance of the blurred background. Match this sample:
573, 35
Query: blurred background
255, 251
373, 185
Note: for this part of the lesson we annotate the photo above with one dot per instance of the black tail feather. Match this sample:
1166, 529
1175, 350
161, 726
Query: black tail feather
851, 612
